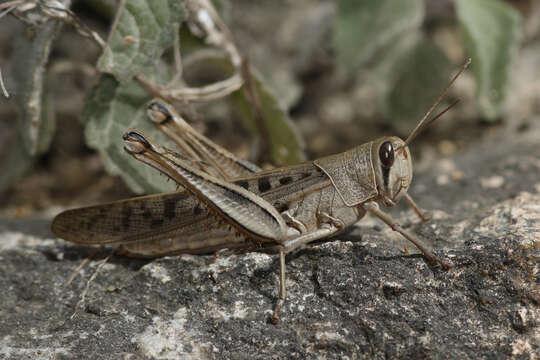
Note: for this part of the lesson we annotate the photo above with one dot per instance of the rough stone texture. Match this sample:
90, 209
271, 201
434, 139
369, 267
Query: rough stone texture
360, 297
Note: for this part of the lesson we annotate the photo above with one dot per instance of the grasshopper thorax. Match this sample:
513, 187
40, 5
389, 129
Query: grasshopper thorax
392, 164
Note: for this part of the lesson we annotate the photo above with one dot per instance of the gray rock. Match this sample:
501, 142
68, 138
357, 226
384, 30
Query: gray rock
358, 296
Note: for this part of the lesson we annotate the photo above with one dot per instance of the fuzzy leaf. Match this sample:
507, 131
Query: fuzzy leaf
35, 121
277, 132
365, 27
143, 31
491, 29
112, 108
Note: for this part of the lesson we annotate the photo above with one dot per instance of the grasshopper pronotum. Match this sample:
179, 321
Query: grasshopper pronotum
229, 204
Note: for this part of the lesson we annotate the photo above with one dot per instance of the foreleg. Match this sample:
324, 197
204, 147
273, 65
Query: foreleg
373, 208
423, 215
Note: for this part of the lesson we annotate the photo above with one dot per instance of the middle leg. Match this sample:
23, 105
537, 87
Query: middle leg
287, 247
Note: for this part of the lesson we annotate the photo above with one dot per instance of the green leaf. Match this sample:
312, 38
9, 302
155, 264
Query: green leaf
365, 27
112, 108
492, 30
35, 121
417, 78
280, 141
274, 126
143, 31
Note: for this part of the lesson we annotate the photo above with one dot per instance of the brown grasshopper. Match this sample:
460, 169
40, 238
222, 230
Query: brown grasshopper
229, 204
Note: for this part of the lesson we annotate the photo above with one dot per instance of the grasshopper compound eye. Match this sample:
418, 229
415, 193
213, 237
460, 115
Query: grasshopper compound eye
386, 154
392, 167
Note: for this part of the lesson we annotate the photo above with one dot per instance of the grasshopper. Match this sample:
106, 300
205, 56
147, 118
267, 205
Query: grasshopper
230, 205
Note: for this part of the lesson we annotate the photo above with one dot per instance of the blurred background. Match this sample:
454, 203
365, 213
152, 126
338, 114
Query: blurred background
326, 76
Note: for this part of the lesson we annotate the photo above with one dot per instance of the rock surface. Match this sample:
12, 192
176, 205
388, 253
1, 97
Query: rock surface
358, 296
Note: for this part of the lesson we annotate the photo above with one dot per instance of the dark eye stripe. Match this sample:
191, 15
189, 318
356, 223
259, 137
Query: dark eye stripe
386, 175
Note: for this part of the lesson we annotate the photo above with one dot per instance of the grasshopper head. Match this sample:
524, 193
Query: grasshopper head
393, 168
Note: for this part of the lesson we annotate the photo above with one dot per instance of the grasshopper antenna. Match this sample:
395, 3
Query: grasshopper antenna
424, 123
